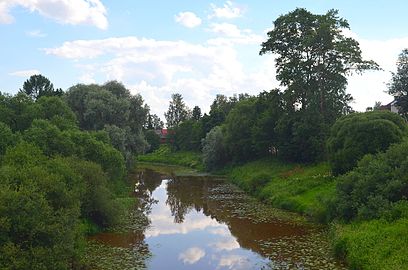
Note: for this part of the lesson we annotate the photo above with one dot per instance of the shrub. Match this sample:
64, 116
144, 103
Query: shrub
375, 185
358, 134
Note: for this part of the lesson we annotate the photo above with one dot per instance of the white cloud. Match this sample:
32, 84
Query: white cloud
229, 243
74, 12
25, 73
5, 17
228, 11
372, 85
157, 68
230, 34
192, 255
188, 19
36, 33
234, 262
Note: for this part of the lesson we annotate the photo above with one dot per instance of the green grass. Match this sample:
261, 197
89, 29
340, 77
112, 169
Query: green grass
373, 245
294, 187
164, 155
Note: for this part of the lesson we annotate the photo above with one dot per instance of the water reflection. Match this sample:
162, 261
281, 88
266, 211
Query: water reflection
206, 223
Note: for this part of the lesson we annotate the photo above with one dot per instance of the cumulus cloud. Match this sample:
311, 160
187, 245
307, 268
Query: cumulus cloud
74, 12
25, 73
234, 262
188, 19
157, 68
192, 255
228, 11
230, 34
228, 244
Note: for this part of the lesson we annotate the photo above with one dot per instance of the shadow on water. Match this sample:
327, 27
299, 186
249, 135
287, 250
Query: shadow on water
203, 222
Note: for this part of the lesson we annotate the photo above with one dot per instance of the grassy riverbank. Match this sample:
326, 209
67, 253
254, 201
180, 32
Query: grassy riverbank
298, 188
305, 189
164, 155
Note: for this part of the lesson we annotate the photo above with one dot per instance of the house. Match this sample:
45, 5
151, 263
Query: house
392, 106
166, 135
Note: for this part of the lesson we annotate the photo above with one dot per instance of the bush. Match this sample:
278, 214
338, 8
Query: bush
39, 211
375, 185
358, 134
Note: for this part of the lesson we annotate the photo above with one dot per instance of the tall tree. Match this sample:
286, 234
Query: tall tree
38, 85
177, 112
154, 122
313, 59
398, 86
196, 113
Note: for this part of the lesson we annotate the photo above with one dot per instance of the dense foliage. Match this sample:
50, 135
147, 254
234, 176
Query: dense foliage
214, 149
58, 180
358, 134
375, 185
112, 108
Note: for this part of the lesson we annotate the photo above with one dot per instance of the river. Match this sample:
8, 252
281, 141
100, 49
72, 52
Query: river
203, 222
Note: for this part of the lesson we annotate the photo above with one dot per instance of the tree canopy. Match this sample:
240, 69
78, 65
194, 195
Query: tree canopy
38, 85
313, 59
177, 111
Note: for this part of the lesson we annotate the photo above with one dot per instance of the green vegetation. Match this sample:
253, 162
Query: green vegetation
372, 245
165, 155
294, 187
59, 181
358, 134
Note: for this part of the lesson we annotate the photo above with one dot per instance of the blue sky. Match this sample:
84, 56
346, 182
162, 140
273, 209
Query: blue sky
196, 48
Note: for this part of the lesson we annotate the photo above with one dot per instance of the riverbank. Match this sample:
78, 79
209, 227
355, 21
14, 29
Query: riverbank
306, 189
164, 155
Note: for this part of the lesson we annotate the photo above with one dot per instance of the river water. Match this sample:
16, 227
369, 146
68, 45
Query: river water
202, 222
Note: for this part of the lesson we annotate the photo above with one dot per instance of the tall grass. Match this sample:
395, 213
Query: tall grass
166, 156
299, 188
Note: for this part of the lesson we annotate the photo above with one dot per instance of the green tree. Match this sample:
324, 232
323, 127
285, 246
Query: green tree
358, 134
238, 130
7, 138
398, 86
269, 108
154, 122
188, 136
313, 59
48, 138
39, 210
38, 85
214, 149
152, 139
196, 115
177, 111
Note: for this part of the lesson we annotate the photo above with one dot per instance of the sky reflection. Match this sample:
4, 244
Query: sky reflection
195, 240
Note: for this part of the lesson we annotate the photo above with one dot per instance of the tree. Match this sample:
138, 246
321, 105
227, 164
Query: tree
38, 85
398, 86
152, 139
196, 113
154, 122
358, 134
238, 130
313, 59
177, 112
214, 149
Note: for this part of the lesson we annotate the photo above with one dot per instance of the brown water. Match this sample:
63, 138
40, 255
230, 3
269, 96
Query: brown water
200, 222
